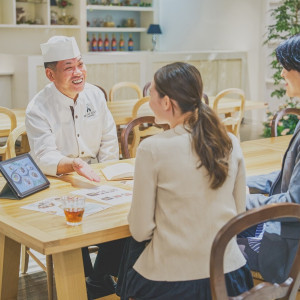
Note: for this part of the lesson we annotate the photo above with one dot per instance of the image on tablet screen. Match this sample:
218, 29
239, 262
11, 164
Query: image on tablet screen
24, 174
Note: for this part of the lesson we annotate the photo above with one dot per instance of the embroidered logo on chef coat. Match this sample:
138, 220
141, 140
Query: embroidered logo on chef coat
90, 111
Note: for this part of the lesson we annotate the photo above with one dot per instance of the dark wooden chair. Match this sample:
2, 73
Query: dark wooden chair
146, 89
265, 290
205, 98
103, 90
134, 127
279, 115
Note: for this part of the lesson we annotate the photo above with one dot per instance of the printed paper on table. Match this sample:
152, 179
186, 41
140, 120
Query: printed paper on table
109, 194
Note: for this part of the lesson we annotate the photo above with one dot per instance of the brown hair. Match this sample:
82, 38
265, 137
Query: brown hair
182, 82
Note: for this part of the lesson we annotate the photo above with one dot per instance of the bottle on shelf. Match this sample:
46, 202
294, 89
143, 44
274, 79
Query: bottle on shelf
100, 43
121, 43
94, 43
106, 43
88, 43
130, 43
113, 43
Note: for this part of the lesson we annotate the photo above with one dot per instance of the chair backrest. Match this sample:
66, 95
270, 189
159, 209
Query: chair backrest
133, 126
124, 84
279, 115
13, 124
232, 122
11, 140
205, 98
146, 89
242, 221
138, 105
103, 90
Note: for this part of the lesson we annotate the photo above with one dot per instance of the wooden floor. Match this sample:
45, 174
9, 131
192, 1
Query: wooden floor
33, 285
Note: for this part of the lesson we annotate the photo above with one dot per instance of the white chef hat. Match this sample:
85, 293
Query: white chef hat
59, 48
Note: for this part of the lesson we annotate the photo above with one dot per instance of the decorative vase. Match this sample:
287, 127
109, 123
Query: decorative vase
63, 12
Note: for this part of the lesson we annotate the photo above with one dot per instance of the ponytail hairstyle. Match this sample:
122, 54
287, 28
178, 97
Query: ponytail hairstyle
182, 83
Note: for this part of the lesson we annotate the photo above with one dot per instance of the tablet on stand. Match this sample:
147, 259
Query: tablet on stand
23, 177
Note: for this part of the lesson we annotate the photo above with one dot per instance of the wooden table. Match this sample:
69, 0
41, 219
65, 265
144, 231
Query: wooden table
49, 234
122, 110
264, 155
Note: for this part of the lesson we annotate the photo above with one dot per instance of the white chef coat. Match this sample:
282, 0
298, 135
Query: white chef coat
54, 133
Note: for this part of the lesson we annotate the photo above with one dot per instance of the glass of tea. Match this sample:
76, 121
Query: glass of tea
73, 209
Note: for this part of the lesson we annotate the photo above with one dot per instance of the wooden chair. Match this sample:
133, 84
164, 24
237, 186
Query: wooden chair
265, 290
138, 105
124, 84
279, 115
26, 252
205, 98
146, 89
232, 122
103, 90
11, 140
133, 126
13, 124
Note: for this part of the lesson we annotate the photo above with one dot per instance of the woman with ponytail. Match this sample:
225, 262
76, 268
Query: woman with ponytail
188, 182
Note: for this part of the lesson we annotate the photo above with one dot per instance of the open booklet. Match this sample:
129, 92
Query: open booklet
119, 171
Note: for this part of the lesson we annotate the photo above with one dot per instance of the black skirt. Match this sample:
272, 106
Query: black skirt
132, 284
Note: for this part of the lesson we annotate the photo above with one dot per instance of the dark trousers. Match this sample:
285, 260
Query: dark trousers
107, 261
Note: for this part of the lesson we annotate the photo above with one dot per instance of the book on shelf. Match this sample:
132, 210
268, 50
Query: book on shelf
119, 171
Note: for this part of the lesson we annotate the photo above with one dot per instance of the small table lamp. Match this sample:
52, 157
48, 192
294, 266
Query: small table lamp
154, 29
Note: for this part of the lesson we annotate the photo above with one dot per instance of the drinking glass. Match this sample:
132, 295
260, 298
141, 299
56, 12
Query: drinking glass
73, 209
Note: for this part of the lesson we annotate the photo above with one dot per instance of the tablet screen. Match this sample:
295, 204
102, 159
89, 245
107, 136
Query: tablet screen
23, 175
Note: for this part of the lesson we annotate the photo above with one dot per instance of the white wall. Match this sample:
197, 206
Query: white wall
217, 25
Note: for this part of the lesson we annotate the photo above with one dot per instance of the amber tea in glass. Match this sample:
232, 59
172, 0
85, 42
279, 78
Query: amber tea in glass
73, 209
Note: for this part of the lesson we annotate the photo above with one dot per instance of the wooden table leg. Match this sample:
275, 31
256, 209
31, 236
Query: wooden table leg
69, 275
9, 267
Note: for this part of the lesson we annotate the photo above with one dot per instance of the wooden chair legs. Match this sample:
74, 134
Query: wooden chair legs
49, 272
48, 268
24, 259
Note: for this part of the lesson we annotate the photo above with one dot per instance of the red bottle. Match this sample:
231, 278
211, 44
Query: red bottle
113, 43
94, 43
100, 43
106, 43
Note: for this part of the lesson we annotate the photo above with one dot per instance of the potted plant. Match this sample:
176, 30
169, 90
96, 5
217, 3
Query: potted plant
287, 23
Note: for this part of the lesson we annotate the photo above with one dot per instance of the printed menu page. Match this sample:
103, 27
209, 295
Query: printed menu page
53, 205
107, 194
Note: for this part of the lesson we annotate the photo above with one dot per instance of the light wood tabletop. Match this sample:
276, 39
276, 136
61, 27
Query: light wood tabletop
49, 234
122, 111
264, 155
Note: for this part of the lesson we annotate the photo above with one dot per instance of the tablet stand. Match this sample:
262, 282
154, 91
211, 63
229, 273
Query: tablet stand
8, 193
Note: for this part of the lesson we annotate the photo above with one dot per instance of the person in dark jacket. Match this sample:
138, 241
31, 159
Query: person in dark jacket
272, 247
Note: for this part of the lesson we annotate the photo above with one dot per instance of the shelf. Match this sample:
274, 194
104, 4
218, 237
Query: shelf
31, 2
120, 8
33, 26
116, 29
